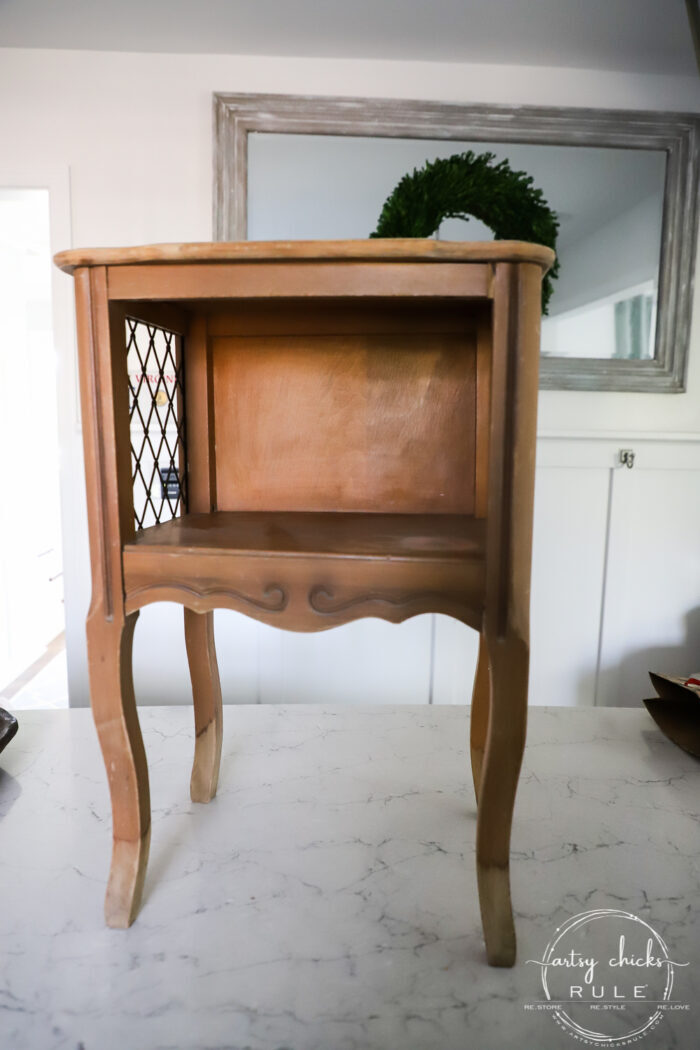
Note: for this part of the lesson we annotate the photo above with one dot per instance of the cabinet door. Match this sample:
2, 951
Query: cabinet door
365, 662
567, 587
652, 608
568, 567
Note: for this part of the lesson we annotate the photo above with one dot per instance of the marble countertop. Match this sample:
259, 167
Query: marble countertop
326, 899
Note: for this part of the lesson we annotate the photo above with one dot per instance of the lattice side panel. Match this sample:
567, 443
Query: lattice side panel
157, 423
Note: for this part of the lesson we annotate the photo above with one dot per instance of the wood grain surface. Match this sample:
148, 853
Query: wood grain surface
355, 535
345, 423
361, 442
374, 250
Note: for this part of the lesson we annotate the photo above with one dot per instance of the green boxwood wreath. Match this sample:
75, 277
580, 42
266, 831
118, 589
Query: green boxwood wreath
471, 184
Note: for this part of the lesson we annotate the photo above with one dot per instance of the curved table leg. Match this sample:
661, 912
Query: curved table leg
505, 742
481, 706
116, 719
206, 695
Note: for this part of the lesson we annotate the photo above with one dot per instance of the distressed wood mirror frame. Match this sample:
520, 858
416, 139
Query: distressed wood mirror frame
676, 134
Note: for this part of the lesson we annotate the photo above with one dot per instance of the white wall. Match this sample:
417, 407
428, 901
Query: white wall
135, 132
623, 253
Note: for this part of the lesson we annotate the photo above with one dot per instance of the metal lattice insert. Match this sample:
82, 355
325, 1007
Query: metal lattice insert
157, 423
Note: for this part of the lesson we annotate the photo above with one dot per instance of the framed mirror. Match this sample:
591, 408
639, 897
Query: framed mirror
624, 185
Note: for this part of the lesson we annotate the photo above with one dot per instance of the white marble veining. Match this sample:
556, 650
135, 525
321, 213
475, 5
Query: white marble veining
326, 899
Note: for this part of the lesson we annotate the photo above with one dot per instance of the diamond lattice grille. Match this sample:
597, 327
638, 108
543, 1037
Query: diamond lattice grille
157, 423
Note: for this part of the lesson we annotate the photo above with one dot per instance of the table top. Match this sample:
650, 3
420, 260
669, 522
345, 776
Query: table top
408, 249
327, 897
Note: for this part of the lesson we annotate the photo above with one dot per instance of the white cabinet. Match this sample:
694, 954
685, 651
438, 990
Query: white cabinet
569, 543
365, 662
616, 568
568, 562
652, 598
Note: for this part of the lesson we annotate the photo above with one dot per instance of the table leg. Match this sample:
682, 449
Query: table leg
508, 658
116, 718
481, 705
206, 695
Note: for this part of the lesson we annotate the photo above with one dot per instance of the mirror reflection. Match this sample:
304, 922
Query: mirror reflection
609, 202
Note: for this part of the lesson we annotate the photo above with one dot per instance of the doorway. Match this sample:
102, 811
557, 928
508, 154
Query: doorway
32, 621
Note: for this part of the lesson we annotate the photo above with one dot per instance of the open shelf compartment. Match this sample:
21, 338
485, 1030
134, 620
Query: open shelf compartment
311, 571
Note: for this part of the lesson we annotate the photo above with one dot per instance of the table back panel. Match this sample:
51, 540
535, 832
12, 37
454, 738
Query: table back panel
346, 412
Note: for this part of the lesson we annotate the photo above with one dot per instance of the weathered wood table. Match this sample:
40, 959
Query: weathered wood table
310, 433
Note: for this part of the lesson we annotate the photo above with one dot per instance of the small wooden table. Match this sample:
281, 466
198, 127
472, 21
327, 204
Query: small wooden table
309, 433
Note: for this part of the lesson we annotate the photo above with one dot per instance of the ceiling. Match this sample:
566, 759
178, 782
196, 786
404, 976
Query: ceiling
642, 36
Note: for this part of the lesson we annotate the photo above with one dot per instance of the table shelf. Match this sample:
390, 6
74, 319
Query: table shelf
311, 571
325, 534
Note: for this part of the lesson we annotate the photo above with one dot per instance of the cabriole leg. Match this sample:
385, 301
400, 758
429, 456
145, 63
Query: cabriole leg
206, 695
481, 705
119, 733
508, 659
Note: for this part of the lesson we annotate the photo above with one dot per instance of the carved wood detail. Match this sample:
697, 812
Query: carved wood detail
302, 609
274, 597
